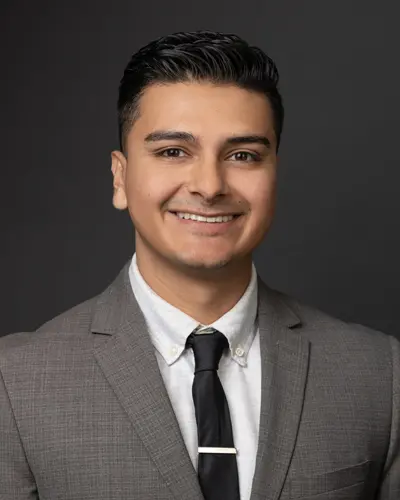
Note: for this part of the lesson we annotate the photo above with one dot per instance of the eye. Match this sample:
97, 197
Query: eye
246, 156
170, 153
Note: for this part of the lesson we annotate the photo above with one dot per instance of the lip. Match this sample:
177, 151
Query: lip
206, 228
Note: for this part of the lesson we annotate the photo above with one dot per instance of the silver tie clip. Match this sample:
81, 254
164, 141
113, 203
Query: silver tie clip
205, 449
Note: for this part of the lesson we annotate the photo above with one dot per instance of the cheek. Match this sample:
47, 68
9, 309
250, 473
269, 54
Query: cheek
260, 191
146, 188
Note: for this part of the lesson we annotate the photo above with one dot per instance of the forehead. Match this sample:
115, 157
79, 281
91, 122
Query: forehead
203, 109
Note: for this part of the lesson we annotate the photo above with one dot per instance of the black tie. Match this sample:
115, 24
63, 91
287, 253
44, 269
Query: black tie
217, 471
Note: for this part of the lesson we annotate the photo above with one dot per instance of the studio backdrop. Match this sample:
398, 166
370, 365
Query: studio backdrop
335, 238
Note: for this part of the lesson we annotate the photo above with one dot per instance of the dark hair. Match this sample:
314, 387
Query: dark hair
197, 56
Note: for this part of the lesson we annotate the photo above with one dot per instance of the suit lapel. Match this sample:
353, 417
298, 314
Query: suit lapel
284, 355
128, 362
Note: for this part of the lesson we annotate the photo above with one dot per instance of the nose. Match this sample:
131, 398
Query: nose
207, 178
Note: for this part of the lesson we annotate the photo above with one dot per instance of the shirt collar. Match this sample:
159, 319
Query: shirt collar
169, 327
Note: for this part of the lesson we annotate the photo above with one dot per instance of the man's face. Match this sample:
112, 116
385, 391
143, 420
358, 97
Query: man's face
198, 148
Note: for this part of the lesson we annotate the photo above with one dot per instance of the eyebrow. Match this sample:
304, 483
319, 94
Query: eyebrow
164, 135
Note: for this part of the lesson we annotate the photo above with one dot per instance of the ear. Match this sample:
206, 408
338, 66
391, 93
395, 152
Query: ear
118, 168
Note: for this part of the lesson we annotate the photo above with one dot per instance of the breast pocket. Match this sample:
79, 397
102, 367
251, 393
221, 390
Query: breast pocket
348, 479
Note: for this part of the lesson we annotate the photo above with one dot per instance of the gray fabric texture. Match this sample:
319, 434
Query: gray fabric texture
84, 414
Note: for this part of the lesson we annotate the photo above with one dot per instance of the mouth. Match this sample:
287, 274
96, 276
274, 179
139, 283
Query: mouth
205, 219
212, 226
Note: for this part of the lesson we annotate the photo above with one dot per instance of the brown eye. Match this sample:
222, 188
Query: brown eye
170, 153
246, 156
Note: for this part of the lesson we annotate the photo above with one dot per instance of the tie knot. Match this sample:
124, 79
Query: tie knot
207, 349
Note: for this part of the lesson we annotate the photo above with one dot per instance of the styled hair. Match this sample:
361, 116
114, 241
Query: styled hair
202, 55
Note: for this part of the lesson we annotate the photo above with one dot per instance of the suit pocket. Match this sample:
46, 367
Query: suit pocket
306, 486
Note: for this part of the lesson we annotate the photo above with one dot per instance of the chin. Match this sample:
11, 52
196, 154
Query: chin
206, 262
209, 265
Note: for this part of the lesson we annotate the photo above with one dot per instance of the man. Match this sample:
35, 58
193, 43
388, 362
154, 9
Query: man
189, 377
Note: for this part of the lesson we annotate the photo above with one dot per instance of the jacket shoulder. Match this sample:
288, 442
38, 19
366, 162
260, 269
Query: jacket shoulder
75, 322
344, 345
321, 326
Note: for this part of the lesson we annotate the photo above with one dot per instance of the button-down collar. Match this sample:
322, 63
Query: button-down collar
169, 327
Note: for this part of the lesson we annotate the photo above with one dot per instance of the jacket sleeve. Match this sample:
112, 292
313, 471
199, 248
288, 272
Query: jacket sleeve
390, 484
16, 479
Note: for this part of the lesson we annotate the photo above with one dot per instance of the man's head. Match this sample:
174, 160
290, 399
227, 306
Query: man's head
200, 120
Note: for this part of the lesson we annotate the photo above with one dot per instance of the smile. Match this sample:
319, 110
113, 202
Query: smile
201, 218
200, 225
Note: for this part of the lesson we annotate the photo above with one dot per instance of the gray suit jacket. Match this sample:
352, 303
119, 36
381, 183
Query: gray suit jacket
84, 414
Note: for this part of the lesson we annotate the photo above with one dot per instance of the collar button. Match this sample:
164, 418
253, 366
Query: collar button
173, 350
239, 352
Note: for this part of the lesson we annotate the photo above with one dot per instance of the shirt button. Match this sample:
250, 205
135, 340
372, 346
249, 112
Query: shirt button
239, 351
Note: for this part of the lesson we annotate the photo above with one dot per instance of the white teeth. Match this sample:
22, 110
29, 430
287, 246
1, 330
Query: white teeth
200, 218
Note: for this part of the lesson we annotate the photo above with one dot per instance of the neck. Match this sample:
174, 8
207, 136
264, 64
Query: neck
203, 295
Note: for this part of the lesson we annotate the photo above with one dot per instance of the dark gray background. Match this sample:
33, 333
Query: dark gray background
335, 240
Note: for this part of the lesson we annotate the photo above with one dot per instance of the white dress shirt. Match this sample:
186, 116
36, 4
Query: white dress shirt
239, 369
